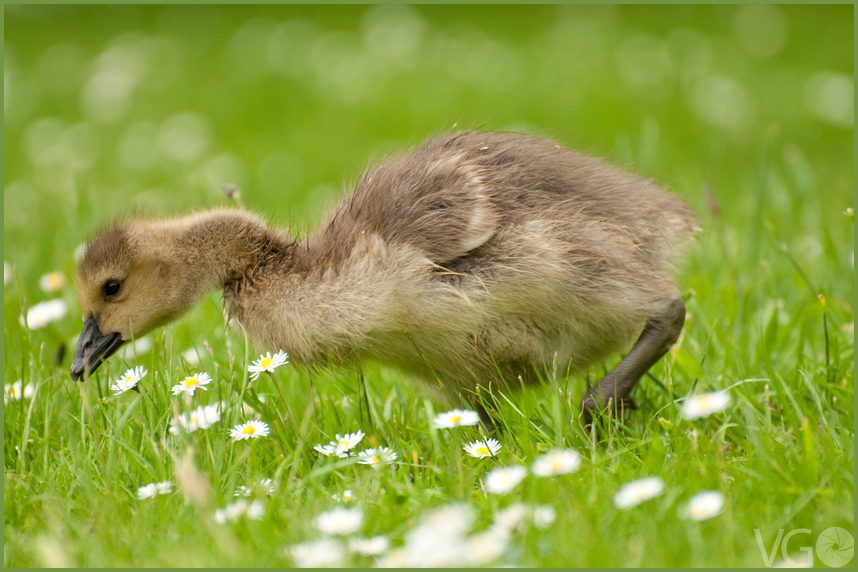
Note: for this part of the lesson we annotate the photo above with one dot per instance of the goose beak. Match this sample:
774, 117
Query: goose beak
93, 347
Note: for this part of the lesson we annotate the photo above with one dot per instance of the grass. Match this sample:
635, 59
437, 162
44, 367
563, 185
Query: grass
769, 287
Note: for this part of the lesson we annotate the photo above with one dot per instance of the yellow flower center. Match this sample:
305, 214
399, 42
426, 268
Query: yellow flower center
344, 443
249, 430
456, 418
376, 459
483, 450
266, 362
191, 381
703, 401
193, 420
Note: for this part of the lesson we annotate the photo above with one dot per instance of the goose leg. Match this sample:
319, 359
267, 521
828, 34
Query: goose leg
659, 334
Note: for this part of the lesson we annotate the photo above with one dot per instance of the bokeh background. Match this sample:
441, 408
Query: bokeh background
108, 107
746, 112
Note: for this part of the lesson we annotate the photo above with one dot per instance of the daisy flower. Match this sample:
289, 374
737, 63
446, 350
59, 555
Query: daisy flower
342, 445
633, 493
267, 363
154, 489
322, 553
705, 505
138, 348
348, 441
556, 462
249, 430
484, 548
504, 479
544, 516
452, 519
191, 383
705, 404
455, 418
478, 449
377, 456
265, 486
347, 496
329, 450
342, 521
15, 391
202, 417
52, 281
192, 356
512, 518
44, 313
129, 379
234, 511
370, 546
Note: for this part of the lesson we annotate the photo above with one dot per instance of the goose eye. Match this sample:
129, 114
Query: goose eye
111, 288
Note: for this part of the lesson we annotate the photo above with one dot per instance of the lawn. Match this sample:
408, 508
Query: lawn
746, 112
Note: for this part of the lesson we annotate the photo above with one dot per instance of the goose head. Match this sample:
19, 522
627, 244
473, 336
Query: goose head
126, 284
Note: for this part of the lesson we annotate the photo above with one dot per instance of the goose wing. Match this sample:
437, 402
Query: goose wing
434, 199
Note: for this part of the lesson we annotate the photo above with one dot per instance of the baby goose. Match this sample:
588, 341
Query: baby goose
466, 264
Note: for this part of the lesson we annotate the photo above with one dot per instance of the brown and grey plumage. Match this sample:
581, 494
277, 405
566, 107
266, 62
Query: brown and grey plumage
472, 259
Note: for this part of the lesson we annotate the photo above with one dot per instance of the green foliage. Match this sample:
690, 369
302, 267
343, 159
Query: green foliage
740, 110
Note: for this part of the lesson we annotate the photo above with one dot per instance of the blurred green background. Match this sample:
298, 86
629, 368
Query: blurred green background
156, 106
746, 112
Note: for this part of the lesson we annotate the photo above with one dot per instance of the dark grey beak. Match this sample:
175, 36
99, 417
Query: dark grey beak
93, 347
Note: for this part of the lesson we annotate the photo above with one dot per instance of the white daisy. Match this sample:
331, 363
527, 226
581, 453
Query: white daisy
348, 441
452, 519
512, 518
267, 363
192, 356
16, 392
138, 348
485, 547
544, 516
377, 456
263, 487
633, 493
705, 404
329, 450
52, 281
478, 449
249, 430
164, 487
342, 521
147, 491
556, 462
129, 379
347, 496
396, 558
154, 489
44, 313
202, 417
705, 505
439, 539
191, 383
342, 445
456, 418
370, 546
240, 508
322, 553
504, 479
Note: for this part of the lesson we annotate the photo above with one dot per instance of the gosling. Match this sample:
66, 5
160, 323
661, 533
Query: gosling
470, 265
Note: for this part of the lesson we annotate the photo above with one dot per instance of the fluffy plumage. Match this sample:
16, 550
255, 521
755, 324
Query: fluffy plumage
472, 259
